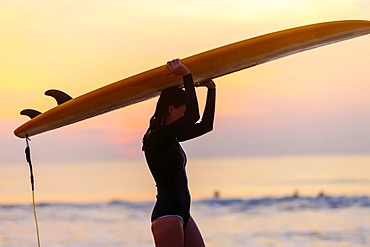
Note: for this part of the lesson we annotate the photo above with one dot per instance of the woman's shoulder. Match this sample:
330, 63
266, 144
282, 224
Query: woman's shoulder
161, 132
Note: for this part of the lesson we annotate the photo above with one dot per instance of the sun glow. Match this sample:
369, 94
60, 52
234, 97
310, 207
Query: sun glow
77, 47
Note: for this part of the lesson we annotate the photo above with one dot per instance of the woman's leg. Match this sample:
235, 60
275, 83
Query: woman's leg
168, 231
193, 237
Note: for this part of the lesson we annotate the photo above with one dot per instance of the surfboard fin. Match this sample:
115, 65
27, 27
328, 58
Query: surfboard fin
59, 96
30, 112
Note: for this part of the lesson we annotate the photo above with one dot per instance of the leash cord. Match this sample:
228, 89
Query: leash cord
28, 158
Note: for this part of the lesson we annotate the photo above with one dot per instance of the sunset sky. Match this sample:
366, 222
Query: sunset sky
315, 102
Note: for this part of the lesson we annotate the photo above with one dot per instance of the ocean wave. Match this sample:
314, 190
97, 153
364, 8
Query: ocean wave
292, 203
282, 203
284, 221
342, 181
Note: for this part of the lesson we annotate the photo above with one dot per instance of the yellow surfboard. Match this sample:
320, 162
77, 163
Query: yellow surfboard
204, 66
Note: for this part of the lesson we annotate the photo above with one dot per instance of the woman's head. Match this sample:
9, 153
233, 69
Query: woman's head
170, 98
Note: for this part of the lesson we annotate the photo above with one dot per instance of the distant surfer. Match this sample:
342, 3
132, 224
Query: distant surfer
175, 120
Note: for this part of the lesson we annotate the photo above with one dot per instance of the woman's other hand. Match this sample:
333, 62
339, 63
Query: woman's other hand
208, 84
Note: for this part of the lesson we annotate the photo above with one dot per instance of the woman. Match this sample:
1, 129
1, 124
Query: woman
174, 121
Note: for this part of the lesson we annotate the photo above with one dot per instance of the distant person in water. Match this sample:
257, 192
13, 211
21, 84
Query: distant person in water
175, 120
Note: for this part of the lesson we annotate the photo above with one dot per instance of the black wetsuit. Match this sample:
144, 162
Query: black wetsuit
166, 159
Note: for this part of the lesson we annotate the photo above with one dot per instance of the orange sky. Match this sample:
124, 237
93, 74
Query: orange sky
315, 102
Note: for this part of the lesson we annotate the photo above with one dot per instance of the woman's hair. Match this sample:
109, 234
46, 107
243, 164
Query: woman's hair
171, 96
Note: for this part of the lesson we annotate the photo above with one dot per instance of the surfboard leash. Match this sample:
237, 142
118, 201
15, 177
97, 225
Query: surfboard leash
28, 158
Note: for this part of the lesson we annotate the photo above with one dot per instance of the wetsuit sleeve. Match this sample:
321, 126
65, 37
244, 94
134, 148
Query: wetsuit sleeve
192, 110
206, 125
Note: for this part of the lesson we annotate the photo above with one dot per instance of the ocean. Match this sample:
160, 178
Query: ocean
251, 201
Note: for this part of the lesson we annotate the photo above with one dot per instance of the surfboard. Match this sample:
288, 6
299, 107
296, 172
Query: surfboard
204, 66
